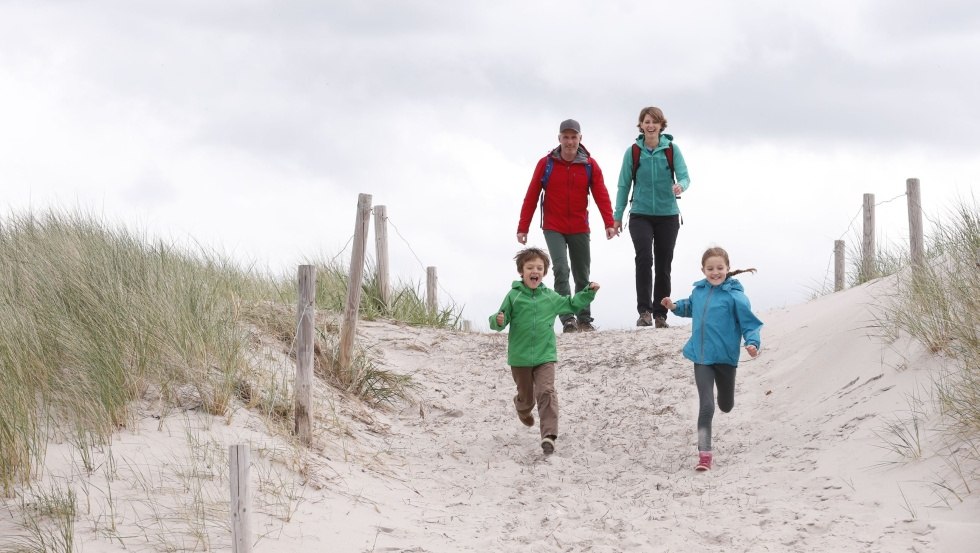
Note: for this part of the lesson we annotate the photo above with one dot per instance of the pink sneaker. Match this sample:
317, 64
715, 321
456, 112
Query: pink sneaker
704, 461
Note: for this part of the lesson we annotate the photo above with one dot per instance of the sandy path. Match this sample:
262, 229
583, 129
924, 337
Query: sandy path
621, 478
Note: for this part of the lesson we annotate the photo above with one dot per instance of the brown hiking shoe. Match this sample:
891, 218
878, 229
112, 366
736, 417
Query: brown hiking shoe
661, 322
569, 326
646, 319
585, 327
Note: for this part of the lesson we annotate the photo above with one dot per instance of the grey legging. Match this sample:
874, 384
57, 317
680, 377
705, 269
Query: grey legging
706, 377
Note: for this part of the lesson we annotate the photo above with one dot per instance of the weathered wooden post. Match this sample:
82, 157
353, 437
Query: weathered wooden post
241, 526
838, 265
868, 244
467, 326
916, 242
381, 250
431, 290
305, 320
349, 328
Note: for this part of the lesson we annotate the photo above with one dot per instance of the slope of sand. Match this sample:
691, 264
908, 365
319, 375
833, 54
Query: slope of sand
801, 464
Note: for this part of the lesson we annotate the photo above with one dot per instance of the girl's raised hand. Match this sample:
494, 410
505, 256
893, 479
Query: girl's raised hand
753, 351
666, 302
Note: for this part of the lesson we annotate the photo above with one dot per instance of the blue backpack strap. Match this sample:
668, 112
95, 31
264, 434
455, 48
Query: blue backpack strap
548, 166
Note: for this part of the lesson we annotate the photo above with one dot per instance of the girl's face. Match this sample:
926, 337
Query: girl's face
532, 272
649, 126
715, 270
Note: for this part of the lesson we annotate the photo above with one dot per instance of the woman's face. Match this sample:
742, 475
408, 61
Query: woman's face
649, 126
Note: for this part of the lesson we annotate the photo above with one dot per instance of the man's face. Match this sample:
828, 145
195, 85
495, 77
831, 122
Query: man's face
569, 141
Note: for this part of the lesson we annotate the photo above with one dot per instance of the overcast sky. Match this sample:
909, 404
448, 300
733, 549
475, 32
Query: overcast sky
252, 130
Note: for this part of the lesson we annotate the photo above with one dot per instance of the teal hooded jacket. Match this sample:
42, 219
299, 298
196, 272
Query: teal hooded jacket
531, 316
722, 317
653, 191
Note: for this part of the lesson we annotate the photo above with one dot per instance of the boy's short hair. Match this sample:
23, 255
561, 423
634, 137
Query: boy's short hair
528, 254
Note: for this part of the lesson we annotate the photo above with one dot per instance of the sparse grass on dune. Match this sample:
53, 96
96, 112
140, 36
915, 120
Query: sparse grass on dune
938, 304
407, 303
94, 317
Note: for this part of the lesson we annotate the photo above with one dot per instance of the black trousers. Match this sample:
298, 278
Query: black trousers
653, 237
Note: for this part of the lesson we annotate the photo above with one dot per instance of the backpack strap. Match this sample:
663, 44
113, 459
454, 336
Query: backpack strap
548, 166
636, 159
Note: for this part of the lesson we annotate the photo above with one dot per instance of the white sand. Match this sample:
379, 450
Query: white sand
801, 464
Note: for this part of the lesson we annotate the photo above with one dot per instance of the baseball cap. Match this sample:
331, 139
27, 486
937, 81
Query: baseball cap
570, 125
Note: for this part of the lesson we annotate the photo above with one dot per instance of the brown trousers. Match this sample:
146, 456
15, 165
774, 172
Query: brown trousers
537, 384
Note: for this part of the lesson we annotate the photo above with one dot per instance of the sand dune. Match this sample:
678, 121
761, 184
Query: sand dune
801, 464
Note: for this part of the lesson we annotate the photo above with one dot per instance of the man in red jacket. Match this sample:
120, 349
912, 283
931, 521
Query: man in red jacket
563, 179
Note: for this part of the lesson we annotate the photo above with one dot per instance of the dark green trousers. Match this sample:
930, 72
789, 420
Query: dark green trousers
574, 247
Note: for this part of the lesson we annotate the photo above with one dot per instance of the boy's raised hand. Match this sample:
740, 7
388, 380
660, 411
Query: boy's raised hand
500, 319
593, 285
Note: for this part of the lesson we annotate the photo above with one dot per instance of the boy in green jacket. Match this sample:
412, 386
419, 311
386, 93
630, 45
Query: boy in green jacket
530, 308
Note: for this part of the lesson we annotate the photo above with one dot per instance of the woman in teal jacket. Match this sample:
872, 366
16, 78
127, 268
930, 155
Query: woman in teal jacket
654, 215
722, 319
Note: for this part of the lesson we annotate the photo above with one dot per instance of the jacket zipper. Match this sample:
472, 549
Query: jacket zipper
704, 316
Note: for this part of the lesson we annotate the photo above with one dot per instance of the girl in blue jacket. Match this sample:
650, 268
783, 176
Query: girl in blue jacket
722, 318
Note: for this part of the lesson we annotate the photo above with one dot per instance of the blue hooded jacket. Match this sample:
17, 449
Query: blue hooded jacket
722, 317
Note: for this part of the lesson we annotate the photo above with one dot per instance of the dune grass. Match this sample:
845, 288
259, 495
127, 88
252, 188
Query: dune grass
938, 305
93, 317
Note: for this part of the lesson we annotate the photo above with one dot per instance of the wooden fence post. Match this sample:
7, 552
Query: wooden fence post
868, 244
838, 265
241, 527
431, 290
467, 326
305, 320
916, 242
381, 250
349, 328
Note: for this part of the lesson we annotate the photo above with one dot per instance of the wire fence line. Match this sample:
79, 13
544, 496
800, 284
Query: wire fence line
850, 228
407, 244
422, 265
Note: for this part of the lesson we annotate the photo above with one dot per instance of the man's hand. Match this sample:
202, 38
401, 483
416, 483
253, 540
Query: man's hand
522, 237
611, 233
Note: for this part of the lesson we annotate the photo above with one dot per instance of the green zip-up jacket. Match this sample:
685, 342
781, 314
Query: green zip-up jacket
531, 316
653, 191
